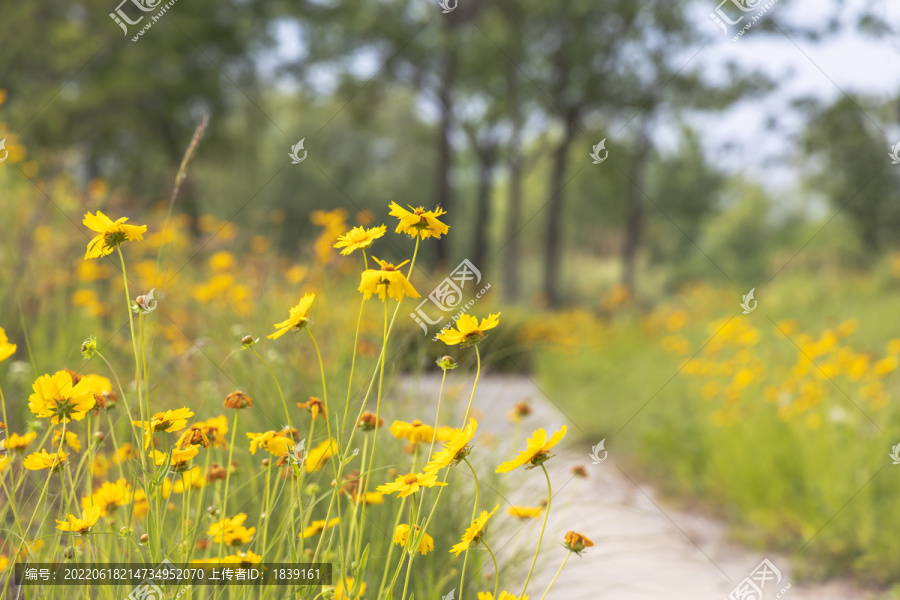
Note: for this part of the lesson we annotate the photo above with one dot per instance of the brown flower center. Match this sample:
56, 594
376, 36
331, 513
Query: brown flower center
410, 479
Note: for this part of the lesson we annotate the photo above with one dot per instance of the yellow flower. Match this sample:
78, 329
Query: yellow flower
474, 532
359, 238
455, 449
56, 397
196, 480
170, 421
468, 331
109, 234
525, 512
297, 320
401, 536
348, 583
179, 460
410, 484
316, 457
537, 451
371, 498
232, 531
4, 462
414, 432
108, 497
576, 542
386, 281
259, 439
6, 349
18, 442
39, 461
80, 526
72, 440
419, 222
317, 527
215, 429
502, 596
278, 445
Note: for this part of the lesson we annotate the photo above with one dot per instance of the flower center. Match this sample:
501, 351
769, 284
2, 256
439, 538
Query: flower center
410, 479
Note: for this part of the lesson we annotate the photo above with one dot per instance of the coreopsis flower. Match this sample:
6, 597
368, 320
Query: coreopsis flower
316, 457
468, 331
414, 432
410, 484
579, 471
4, 462
315, 406
369, 421
231, 531
298, 319
576, 542
108, 497
80, 526
18, 442
170, 421
536, 452
401, 537
195, 436
386, 281
180, 459
56, 397
216, 472
215, 429
359, 238
72, 440
420, 222
243, 559
474, 532
340, 594
38, 461
501, 596
317, 527
519, 412
6, 349
109, 234
89, 348
125, 452
455, 449
238, 400
525, 512
370, 498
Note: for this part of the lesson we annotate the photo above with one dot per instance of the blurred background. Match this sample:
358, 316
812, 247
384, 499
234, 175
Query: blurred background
735, 162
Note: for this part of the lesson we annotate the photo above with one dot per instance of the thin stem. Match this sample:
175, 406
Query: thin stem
462, 576
475, 386
278, 385
228, 480
558, 571
496, 570
543, 527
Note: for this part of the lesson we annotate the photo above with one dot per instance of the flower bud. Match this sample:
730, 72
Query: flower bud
247, 340
447, 362
145, 539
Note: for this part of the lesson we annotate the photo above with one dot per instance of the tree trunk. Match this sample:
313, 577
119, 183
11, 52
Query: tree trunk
445, 151
487, 157
511, 258
635, 213
553, 248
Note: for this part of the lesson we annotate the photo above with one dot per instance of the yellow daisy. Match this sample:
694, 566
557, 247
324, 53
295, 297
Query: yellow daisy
414, 432
474, 532
72, 440
56, 397
316, 457
170, 421
6, 349
231, 531
359, 238
108, 497
455, 449
340, 594
468, 331
317, 527
80, 526
298, 319
401, 537
18, 442
38, 461
419, 222
409, 484
502, 596
386, 281
525, 512
109, 234
537, 451
576, 542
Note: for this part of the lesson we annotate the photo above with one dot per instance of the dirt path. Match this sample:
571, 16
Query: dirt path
644, 549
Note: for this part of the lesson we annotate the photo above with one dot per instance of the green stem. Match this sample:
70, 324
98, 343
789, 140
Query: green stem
496, 570
278, 385
543, 527
224, 514
558, 571
475, 386
462, 576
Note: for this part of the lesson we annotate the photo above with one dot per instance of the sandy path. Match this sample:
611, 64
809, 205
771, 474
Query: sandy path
644, 549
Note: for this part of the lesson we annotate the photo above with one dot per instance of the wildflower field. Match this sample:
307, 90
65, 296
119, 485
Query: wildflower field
211, 405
